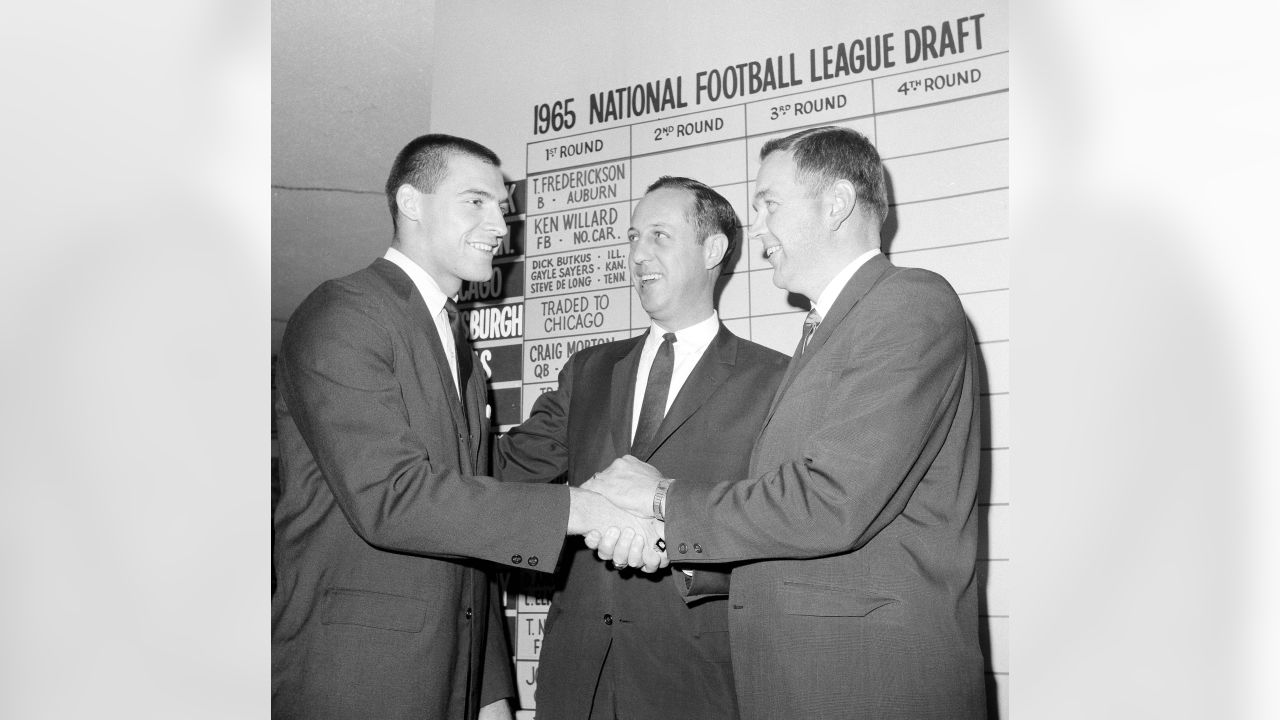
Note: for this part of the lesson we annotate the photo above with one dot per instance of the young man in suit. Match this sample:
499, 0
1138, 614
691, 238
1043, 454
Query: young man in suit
625, 645
858, 507
382, 609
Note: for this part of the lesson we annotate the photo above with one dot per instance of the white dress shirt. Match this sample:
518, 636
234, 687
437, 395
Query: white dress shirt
435, 298
690, 343
833, 289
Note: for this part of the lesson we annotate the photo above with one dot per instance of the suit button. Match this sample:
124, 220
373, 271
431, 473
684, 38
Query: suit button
515, 559
533, 561
683, 548
468, 613
697, 548
608, 619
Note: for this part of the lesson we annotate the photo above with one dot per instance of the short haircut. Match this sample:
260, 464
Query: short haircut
824, 155
711, 213
423, 163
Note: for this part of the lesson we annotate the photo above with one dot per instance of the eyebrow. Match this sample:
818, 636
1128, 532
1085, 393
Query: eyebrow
504, 203
659, 224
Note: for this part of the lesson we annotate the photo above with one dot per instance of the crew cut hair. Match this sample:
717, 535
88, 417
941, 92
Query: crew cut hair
423, 163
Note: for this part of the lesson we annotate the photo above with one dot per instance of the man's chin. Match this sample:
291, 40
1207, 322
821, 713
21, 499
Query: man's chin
647, 301
479, 272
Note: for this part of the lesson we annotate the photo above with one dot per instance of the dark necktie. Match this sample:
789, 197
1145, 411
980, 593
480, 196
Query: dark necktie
811, 322
655, 394
461, 350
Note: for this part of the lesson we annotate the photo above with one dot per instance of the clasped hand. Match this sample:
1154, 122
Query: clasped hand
629, 484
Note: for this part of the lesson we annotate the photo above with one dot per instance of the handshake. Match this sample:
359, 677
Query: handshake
614, 511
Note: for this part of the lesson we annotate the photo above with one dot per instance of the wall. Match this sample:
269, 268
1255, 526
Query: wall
350, 85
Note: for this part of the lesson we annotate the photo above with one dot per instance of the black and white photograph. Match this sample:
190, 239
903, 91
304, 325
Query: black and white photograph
640, 361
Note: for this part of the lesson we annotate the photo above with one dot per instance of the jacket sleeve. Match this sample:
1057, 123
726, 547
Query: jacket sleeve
538, 449
883, 408
341, 380
706, 581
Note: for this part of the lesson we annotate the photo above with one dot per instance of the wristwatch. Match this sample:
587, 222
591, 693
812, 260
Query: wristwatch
660, 500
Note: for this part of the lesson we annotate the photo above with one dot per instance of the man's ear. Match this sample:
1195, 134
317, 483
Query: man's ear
407, 197
842, 198
713, 249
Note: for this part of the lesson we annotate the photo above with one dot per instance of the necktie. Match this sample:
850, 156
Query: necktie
461, 350
811, 323
655, 394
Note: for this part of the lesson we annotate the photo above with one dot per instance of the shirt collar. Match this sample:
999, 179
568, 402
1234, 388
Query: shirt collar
832, 290
696, 335
427, 287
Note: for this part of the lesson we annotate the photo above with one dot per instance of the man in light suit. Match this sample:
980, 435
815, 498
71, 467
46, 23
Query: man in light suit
623, 645
855, 526
382, 608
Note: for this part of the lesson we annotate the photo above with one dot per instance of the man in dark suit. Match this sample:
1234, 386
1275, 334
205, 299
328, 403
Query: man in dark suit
622, 645
855, 525
382, 609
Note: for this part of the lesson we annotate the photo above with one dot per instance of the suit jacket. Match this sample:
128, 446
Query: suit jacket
379, 610
673, 659
861, 600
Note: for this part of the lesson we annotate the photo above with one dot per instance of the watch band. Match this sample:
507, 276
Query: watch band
659, 499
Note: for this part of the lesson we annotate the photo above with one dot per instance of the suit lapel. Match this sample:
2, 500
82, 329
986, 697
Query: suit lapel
476, 397
712, 370
415, 307
858, 286
620, 391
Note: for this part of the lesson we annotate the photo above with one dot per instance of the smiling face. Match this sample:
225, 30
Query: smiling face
673, 273
789, 220
461, 222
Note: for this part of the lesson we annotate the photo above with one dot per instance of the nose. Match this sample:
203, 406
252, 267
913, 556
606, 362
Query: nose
640, 251
495, 223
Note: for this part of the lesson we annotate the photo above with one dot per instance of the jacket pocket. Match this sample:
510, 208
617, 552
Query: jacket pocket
344, 606
714, 645
820, 600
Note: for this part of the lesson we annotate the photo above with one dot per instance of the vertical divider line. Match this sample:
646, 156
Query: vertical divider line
746, 221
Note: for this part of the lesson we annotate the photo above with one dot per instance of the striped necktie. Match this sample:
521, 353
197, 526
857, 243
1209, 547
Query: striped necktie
811, 323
